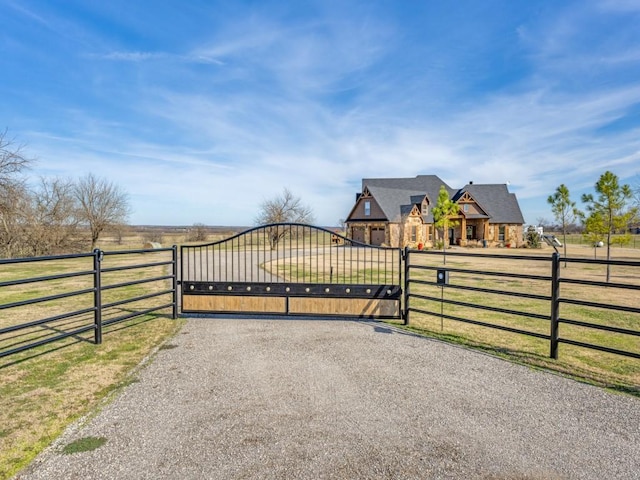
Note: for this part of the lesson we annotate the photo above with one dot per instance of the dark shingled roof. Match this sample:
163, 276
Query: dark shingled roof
496, 200
394, 202
429, 184
396, 197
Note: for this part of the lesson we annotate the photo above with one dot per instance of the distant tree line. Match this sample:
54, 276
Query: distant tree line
55, 215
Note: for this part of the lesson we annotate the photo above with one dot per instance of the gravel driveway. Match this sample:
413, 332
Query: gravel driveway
341, 399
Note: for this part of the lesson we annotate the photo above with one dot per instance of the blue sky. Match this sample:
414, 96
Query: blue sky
201, 110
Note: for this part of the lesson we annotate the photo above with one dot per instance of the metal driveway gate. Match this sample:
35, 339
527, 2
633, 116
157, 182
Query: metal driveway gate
291, 269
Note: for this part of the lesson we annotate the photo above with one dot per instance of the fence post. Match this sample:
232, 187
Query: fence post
97, 295
405, 257
174, 259
555, 304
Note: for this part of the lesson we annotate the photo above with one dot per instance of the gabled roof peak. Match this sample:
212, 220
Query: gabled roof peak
396, 196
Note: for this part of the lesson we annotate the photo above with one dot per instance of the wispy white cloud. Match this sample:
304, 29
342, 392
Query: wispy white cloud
136, 56
203, 129
133, 56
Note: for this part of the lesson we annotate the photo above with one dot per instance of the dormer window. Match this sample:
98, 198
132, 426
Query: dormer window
367, 208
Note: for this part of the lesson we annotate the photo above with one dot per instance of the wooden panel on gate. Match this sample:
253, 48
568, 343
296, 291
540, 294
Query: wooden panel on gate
358, 307
226, 304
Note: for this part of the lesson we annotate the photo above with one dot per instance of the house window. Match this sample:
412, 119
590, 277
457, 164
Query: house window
414, 231
429, 233
471, 232
501, 233
367, 208
465, 207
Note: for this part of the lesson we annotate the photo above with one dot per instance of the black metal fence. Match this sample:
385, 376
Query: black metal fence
591, 296
285, 264
529, 295
290, 253
48, 299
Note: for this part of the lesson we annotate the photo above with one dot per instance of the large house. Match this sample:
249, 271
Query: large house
397, 212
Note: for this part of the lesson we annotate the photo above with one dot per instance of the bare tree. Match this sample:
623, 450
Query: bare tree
102, 205
46, 219
284, 208
197, 233
12, 162
42, 221
153, 235
545, 223
13, 194
14, 203
52, 219
118, 232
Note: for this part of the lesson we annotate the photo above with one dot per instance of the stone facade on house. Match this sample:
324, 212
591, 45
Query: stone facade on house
396, 212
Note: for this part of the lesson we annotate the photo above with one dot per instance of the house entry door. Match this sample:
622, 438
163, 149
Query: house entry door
471, 232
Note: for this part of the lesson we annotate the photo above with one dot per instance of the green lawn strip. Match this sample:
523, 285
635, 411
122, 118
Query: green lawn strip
45, 389
579, 239
605, 370
365, 276
85, 444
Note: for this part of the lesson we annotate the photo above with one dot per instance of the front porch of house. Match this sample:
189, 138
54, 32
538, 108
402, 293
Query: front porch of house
479, 232
470, 232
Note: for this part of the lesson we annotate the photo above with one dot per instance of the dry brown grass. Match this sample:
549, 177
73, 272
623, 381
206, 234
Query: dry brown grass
615, 371
42, 390
136, 237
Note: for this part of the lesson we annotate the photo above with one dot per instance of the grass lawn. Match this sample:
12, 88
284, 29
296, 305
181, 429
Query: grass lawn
601, 368
43, 390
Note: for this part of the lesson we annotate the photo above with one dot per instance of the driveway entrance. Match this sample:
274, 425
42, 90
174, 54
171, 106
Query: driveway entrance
290, 399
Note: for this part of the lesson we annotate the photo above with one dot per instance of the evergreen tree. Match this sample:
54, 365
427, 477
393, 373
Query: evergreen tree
565, 212
442, 212
607, 211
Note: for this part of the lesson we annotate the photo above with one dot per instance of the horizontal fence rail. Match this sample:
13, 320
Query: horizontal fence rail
19, 330
457, 283
72, 295
592, 306
556, 306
